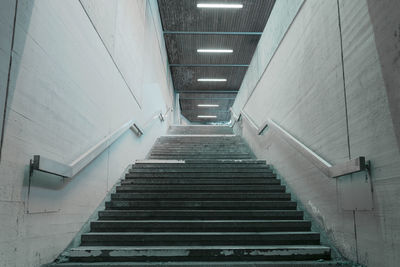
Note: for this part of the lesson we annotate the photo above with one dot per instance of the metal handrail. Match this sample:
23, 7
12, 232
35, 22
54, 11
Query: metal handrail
352, 166
236, 118
43, 164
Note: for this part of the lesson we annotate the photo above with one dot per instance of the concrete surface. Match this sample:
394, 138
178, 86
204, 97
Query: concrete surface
80, 70
340, 111
385, 18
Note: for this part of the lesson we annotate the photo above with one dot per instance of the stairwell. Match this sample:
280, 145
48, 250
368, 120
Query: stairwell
200, 199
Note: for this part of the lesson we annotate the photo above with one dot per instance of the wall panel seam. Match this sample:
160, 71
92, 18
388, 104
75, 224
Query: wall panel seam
3, 122
344, 80
166, 67
109, 53
273, 55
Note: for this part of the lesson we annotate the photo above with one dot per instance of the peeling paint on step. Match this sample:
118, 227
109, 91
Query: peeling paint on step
86, 253
227, 252
149, 253
282, 252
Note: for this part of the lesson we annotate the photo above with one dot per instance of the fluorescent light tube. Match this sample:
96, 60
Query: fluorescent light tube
208, 105
206, 116
214, 51
211, 80
209, 5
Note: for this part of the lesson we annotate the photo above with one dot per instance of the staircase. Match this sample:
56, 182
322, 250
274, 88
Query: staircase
200, 200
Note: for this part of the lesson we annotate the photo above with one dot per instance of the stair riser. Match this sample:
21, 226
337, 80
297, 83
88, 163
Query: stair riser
191, 151
198, 240
247, 205
200, 152
209, 175
200, 188
184, 157
196, 181
177, 226
213, 229
200, 196
200, 166
201, 170
200, 215
244, 190
205, 255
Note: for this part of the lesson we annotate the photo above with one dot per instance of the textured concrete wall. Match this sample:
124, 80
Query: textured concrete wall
79, 71
277, 25
339, 117
385, 17
7, 14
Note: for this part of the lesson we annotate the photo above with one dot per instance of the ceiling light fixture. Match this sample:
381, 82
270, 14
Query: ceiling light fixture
209, 5
208, 105
206, 116
211, 80
214, 51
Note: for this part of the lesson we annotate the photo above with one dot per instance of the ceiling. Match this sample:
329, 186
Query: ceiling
188, 28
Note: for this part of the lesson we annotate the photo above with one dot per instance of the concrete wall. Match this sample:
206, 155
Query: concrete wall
385, 17
340, 111
7, 14
79, 71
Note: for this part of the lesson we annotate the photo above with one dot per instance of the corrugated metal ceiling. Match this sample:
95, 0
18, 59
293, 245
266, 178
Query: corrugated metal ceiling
182, 48
185, 78
188, 28
183, 15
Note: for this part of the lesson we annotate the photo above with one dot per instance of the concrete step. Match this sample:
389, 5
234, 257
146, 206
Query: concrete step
201, 143
201, 204
201, 253
199, 181
217, 149
199, 156
199, 238
200, 214
200, 225
199, 170
200, 139
176, 145
200, 188
210, 150
200, 130
233, 148
210, 174
201, 165
185, 146
218, 162
202, 152
209, 263
201, 196
192, 158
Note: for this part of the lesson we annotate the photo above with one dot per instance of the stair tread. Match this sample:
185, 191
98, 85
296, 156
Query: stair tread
272, 247
202, 221
291, 234
208, 263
